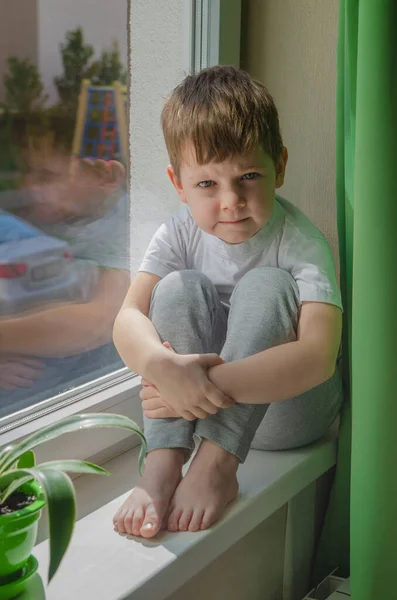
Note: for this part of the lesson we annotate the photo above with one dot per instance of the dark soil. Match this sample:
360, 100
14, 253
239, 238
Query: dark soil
16, 501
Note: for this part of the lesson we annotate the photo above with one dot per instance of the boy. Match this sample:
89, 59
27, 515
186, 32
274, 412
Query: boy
242, 286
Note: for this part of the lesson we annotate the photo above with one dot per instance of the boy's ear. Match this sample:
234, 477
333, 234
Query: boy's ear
176, 183
280, 167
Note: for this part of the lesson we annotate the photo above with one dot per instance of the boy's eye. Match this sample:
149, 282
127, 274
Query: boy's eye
206, 184
250, 176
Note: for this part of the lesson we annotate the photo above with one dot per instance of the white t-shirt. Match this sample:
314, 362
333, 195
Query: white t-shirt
103, 240
288, 241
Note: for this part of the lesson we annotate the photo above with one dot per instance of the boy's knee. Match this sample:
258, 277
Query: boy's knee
264, 313
269, 282
181, 284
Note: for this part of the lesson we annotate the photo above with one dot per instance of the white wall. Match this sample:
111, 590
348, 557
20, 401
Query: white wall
158, 59
102, 21
291, 47
252, 569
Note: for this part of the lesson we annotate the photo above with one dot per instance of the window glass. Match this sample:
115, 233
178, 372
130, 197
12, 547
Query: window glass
64, 202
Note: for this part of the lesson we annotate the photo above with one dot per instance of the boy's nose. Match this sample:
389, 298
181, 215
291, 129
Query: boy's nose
232, 200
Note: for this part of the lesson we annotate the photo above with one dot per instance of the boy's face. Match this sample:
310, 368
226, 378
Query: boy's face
233, 199
56, 197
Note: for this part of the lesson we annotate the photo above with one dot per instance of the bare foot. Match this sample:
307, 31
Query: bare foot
210, 484
144, 510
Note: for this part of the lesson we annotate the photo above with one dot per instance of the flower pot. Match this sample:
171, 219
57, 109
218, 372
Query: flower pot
331, 588
29, 584
18, 531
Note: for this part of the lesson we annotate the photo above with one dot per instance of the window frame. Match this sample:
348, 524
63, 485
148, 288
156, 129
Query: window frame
211, 36
214, 32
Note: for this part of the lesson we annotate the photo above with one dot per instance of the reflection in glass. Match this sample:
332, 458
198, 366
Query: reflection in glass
64, 207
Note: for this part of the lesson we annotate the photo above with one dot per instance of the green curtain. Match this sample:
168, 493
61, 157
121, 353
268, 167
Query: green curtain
367, 223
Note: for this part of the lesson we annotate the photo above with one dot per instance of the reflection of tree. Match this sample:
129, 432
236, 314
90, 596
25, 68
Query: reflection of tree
23, 86
29, 128
110, 68
76, 56
8, 157
24, 117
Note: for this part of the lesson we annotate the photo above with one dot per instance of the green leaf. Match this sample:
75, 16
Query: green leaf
10, 484
27, 460
12, 452
4, 452
74, 466
61, 503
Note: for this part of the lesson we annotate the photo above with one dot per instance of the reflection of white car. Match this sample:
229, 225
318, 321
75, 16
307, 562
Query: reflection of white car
37, 269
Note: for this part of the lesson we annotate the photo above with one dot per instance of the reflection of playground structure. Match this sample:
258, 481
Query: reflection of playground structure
101, 124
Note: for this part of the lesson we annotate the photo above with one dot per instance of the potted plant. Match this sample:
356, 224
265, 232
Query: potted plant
25, 488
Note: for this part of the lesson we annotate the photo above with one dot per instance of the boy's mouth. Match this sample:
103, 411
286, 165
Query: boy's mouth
233, 222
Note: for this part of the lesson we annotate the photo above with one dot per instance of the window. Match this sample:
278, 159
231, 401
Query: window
73, 232
64, 235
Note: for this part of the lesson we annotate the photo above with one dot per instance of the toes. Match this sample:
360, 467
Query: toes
173, 520
128, 520
208, 519
185, 519
137, 521
151, 523
115, 519
196, 520
119, 519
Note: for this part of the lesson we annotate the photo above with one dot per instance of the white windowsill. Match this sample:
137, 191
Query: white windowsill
91, 401
103, 565
99, 445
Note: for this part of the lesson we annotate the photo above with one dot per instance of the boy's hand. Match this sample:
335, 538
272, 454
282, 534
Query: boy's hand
152, 403
184, 388
153, 406
19, 371
57, 197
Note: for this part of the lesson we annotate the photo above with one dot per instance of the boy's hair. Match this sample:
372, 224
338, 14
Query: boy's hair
222, 111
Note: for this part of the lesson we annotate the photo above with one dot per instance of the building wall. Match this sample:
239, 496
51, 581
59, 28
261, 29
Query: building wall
291, 47
18, 33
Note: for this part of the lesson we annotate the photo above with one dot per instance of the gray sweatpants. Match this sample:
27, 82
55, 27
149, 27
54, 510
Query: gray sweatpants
264, 308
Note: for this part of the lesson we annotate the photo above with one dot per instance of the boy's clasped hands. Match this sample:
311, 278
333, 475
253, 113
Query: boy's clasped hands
180, 387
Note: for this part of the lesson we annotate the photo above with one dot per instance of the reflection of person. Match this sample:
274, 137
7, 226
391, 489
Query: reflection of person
240, 273
53, 347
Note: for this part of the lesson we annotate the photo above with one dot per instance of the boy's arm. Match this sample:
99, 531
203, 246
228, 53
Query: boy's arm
70, 329
288, 370
134, 335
